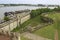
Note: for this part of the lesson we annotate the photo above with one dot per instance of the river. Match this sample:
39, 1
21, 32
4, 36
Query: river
16, 8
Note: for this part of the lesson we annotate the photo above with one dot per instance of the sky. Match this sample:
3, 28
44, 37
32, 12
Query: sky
55, 2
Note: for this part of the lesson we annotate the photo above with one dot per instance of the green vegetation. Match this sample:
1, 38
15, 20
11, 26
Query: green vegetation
33, 22
23, 38
18, 5
56, 25
16, 29
56, 18
49, 31
35, 18
57, 9
59, 34
46, 32
34, 13
37, 12
6, 18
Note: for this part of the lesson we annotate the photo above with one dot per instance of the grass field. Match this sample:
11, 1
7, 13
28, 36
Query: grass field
48, 31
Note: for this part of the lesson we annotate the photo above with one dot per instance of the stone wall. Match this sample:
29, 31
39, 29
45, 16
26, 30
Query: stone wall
22, 17
25, 19
10, 25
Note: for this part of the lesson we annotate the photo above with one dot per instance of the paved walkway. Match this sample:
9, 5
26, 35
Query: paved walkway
33, 36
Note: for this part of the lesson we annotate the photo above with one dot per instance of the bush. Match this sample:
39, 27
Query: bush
46, 19
39, 11
6, 18
56, 9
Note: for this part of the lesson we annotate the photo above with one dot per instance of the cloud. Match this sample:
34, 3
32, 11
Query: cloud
31, 1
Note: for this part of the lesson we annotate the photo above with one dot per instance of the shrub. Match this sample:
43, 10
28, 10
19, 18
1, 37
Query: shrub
6, 18
39, 11
56, 9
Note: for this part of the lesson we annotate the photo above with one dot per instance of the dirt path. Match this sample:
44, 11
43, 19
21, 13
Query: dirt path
33, 36
56, 35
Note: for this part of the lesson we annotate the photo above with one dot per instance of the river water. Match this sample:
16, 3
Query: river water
16, 8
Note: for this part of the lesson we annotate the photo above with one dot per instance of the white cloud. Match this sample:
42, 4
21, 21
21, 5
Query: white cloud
31, 1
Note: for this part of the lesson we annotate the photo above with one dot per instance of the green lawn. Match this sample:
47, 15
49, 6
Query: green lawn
48, 31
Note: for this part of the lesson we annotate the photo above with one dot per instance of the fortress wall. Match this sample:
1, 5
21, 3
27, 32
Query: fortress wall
9, 26
25, 18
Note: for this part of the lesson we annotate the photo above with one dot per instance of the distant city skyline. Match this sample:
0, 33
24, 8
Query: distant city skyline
52, 2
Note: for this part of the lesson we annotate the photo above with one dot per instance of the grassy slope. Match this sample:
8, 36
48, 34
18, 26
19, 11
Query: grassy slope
34, 21
52, 16
48, 31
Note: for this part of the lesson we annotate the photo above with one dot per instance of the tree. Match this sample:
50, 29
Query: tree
37, 12
6, 14
57, 9
6, 18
